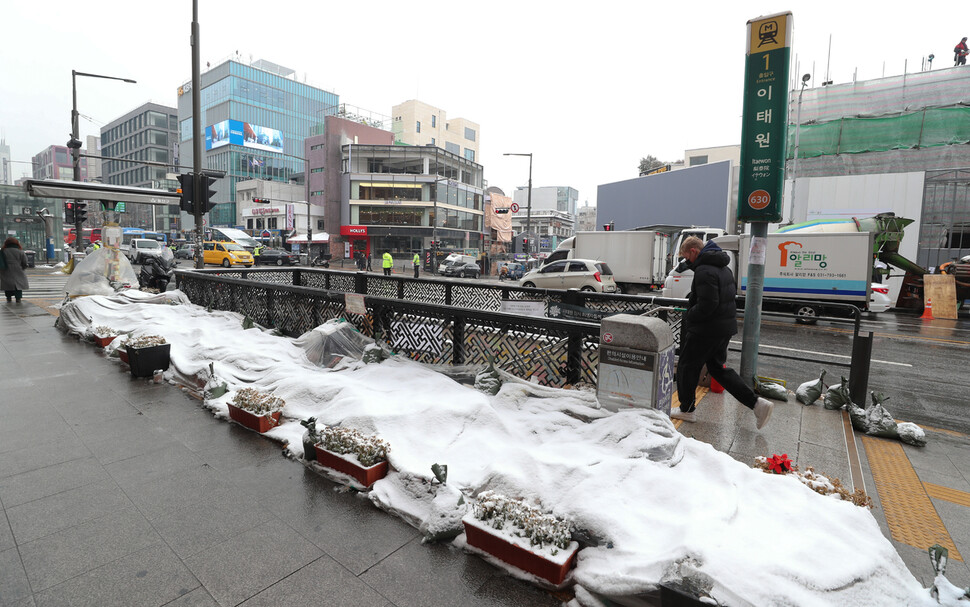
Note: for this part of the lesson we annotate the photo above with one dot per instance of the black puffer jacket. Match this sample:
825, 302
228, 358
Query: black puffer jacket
711, 309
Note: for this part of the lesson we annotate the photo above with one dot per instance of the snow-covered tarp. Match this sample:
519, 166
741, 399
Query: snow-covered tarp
660, 507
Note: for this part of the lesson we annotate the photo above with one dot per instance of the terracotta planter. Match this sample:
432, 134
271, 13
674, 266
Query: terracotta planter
259, 423
103, 342
143, 362
550, 568
364, 476
123, 355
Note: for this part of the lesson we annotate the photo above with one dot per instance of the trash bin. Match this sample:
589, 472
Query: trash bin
30, 255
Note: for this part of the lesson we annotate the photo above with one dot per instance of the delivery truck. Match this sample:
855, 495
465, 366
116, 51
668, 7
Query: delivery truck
640, 259
816, 269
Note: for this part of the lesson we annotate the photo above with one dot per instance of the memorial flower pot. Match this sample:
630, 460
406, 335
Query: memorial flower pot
522, 536
345, 450
341, 463
552, 568
256, 410
143, 360
102, 342
259, 423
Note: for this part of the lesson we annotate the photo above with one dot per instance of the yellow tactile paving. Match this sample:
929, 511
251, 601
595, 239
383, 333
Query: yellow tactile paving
945, 493
910, 514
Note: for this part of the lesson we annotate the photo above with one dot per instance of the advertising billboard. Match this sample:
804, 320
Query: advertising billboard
235, 132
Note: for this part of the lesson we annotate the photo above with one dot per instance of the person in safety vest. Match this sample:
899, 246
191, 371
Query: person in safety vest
388, 262
417, 264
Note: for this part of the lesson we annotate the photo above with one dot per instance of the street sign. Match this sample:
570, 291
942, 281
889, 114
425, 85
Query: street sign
764, 135
514, 207
266, 234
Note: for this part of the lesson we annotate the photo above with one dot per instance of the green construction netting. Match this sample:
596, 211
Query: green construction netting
926, 128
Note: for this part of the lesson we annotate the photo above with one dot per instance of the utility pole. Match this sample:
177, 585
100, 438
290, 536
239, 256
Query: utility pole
197, 138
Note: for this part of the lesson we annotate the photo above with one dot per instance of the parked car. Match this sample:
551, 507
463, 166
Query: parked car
462, 269
185, 251
141, 248
226, 254
277, 257
879, 298
584, 274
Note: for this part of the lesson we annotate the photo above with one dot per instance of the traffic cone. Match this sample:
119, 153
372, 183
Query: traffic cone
928, 310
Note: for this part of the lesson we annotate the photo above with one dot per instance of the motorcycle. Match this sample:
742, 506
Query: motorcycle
157, 271
321, 260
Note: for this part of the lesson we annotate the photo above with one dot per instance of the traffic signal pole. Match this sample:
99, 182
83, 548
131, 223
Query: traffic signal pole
197, 136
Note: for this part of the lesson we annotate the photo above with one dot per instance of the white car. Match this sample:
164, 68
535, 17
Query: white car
879, 298
583, 274
143, 247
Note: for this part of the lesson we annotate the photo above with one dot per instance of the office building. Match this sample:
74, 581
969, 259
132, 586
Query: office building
54, 162
255, 118
586, 218
553, 216
417, 123
144, 135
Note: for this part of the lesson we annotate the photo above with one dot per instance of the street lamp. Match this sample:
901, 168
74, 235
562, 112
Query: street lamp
75, 144
528, 212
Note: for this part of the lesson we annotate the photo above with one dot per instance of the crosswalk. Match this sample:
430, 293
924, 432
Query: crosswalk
46, 286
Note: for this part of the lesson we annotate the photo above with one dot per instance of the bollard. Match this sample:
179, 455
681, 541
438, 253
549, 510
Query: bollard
636, 363
859, 369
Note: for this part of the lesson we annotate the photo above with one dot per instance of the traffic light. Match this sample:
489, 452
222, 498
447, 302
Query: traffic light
261, 200
69, 213
81, 212
608, 227
208, 193
185, 189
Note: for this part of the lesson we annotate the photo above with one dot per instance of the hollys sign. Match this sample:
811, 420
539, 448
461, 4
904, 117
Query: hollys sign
764, 130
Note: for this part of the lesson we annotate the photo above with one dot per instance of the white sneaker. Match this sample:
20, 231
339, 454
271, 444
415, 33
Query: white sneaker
690, 416
762, 411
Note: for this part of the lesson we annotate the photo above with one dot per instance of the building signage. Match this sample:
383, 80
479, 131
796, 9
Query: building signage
660, 169
353, 230
765, 118
235, 132
291, 216
266, 211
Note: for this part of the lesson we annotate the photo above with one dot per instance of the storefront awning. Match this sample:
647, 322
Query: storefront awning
393, 185
301, 238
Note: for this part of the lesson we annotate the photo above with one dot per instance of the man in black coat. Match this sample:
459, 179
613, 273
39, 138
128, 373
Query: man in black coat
708, 325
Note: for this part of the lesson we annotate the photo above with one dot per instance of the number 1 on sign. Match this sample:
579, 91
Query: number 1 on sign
766, 56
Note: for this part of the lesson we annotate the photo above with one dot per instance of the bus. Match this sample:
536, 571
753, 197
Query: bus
90, 235
233, 235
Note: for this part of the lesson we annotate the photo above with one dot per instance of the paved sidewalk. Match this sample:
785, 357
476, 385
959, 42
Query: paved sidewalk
118, 491
921, 495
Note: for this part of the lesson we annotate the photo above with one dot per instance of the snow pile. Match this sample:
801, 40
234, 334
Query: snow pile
657, 506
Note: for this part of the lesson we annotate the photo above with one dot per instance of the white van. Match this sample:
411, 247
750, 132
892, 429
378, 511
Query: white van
455, 258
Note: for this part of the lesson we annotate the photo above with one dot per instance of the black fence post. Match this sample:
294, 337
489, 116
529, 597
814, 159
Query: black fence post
360, 283
448, 294
859, 371
297, 277
400, 288
574, 358
457, 339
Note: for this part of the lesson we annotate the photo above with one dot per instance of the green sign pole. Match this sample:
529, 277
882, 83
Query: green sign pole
763, 141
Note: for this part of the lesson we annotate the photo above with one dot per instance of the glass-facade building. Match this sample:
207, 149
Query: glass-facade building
254, 120
18, 218
146, 134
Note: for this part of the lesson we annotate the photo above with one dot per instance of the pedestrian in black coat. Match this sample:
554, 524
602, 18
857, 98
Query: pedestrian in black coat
708, 325
13, 279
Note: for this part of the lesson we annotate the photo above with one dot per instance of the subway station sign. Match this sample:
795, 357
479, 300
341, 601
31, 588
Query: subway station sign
765, 118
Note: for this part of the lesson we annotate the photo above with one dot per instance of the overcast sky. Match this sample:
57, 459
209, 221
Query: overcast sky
588, 88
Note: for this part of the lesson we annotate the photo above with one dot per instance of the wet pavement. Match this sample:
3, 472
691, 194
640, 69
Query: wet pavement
119, 491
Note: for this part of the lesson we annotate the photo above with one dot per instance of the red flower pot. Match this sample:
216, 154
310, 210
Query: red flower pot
123, 355
259, 423
364, 476
103, 342
552, 569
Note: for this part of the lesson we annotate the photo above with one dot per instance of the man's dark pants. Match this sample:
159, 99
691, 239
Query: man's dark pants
695, 352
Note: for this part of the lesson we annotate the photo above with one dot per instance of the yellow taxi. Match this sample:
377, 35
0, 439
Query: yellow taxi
226, 254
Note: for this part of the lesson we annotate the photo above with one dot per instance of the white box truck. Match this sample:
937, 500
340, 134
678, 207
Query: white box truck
814, 268
640, 259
